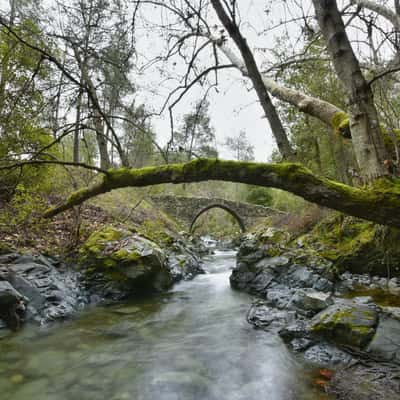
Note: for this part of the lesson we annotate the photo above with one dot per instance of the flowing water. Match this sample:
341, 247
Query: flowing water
192, 344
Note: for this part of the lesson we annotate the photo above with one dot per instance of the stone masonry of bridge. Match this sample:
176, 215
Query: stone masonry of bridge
186, 210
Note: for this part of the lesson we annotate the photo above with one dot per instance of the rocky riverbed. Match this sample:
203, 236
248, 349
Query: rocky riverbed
330, 318
114, 264
341, 320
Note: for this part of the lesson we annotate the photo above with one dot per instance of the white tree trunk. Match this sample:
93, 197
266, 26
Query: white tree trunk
320, 109
368, 142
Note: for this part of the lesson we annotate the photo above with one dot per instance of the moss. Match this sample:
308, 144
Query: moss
109, 263
341, 124
354, 245
115, 276
125, 255
381, 297
389, 137
93, 251
339, 327
98, 240
76, 195
5, 248
368, 202
157, 232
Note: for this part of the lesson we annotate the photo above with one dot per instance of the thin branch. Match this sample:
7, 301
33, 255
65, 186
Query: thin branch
41, 162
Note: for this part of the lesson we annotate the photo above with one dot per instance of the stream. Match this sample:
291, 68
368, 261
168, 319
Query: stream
192, 343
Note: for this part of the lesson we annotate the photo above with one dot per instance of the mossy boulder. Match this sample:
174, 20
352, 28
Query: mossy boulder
127, 259
355, 245
346, 324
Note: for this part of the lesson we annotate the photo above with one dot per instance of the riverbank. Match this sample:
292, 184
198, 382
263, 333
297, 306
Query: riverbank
326, 314
191, 342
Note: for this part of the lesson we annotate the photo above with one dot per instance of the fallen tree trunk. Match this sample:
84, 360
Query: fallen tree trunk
378, 203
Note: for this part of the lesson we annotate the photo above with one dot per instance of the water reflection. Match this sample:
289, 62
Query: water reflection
191, 344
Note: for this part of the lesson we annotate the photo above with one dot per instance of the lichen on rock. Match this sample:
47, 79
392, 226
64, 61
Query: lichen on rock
126, 259
347, 324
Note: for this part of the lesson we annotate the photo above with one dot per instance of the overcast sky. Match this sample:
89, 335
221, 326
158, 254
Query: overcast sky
235, 106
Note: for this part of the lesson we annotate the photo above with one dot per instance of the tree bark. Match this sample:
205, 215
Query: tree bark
76, 147
382, 10
4, 75
368, 142
381, 205
320, 109
98, 118
277, 128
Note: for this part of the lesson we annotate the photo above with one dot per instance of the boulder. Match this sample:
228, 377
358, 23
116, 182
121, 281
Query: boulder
326, 354
308, 301
346, 323
183, 262
53, 289
263, 316
257, 277
129, 262
296, 330
279, 297
393, 312
12, 305
386, 342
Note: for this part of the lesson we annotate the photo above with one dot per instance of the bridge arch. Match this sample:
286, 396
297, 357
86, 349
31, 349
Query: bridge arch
223, 207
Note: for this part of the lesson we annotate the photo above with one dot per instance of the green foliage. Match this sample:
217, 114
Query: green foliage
156, 230
22, 105
218, 223
21, 100
260, 195
23, 214
196, 136
356, 245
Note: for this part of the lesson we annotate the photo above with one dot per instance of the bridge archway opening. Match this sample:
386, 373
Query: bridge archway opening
235, 217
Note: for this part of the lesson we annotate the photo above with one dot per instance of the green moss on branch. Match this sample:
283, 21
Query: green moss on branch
379, 203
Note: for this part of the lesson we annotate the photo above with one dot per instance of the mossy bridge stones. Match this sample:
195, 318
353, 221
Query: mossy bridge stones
186, 210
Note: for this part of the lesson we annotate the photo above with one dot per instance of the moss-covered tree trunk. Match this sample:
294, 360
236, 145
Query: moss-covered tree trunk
379, 203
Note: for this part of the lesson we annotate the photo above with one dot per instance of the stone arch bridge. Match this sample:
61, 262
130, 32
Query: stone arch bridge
187, 210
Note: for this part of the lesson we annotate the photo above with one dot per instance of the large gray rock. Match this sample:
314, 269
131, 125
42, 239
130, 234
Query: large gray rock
183, 262
119, 263
11, 304
53, 289
123, 260
258, 277
308, 301
386, 342
346, 323
279, 297
263, 316
326, 354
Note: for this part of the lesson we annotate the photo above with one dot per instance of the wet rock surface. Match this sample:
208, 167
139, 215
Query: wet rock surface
301, 299
48, 288
119, 264
12, 305
346, 321
115, 265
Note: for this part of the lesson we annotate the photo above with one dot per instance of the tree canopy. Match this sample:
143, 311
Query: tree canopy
83, 84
